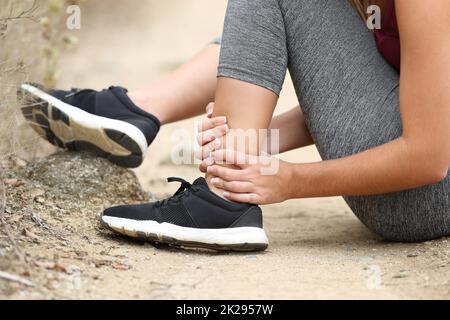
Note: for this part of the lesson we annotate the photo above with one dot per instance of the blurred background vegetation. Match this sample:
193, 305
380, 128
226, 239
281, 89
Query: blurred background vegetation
32, 35
121, 42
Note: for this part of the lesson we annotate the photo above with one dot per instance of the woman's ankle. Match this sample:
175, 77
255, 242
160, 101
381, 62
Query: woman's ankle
141, 100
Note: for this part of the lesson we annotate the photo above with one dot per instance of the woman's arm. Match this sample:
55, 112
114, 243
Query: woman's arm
421, 156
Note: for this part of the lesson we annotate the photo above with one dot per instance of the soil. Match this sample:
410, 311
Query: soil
318, 249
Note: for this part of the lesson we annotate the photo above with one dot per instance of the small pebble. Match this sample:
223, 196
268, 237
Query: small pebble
39, 199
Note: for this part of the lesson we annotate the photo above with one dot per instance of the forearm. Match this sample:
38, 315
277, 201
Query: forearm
392, 167
293, 132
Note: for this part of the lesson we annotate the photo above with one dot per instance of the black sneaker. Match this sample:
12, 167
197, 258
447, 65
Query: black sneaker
192, 217
105, 122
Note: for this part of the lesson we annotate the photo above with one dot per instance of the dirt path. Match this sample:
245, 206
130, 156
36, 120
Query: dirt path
318, 249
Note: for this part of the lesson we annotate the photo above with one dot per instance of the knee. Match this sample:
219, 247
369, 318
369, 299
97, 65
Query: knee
400, 221
401, 232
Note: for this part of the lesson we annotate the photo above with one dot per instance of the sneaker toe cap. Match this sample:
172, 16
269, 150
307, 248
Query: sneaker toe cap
134, 212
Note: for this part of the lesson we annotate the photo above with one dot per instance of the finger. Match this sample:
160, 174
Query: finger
202, 167
233, 186
205, 137
242, 197
210, 147
205, 150
227, 156
211, 123
224, 173
205, 164
210, 109
211, 134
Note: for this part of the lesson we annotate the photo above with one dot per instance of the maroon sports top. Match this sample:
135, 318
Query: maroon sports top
388, 38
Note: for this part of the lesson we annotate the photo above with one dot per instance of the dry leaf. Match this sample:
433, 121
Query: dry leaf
19, 162
121, 266
101, 262
44, 264
50, 265
60, 267
14, 182
30, 234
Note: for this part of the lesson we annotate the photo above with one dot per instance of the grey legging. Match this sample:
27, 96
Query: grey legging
348, 93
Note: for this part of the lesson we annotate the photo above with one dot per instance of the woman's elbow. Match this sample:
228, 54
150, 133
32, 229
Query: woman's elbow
434, 168
437, 175
430, 163
441, 163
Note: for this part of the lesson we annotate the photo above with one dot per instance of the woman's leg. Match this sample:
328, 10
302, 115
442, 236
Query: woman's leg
185, 92
195, 83
348, 93
249, 104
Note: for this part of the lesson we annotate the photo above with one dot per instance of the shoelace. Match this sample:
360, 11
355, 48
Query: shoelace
182, 191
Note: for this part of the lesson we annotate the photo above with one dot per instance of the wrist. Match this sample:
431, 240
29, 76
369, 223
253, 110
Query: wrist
296, 185
287, 176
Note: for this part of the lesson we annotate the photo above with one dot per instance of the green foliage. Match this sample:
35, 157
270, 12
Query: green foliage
54, 6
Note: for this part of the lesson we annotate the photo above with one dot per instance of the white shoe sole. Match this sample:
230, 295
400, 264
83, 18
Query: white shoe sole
75, 129
234, 239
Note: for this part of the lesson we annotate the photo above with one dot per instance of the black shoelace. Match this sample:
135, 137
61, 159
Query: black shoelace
185, 189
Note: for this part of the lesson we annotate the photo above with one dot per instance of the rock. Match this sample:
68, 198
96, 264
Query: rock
35, 192
85, 176
39, 199
58, 207
401, 274
78, 182
66, 185
73, 269
81, 254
